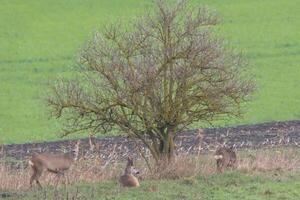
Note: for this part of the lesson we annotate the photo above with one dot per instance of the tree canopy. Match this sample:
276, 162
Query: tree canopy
154, 78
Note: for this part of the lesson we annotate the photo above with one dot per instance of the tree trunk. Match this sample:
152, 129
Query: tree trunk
162, 146
166, 148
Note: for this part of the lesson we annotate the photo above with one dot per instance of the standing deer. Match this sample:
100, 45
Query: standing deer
225, 157
128, 179
54, 163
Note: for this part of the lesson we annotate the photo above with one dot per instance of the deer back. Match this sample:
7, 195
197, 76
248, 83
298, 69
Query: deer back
128, 180
53, 162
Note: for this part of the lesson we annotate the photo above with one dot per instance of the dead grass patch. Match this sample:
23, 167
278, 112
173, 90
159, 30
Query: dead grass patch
93, 169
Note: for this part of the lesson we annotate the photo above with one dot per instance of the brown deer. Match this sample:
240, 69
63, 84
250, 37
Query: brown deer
226, 158
54, 163
128, 179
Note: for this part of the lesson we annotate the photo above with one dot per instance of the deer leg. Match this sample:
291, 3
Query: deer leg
38, 183
65, 179
35, 176
38, 175
32, 178
232, 164
58, 176
57, 179
219, 165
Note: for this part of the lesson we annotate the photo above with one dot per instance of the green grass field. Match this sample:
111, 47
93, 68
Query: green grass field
232, 185
39, 41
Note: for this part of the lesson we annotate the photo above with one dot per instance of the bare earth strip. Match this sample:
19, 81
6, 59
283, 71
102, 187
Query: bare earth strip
266, 135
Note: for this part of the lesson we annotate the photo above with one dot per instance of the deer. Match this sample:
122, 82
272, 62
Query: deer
53, 163
226, 158
128, 179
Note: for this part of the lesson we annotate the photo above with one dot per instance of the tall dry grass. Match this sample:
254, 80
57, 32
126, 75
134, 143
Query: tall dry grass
269, 160
93, 169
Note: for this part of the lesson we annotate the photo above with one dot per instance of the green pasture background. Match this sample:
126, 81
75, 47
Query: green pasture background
39, 41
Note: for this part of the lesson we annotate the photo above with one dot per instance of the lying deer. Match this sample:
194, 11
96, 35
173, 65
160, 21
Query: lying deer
128, 179
54, 163
225, 157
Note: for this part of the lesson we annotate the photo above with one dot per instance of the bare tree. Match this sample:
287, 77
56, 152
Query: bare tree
154, 78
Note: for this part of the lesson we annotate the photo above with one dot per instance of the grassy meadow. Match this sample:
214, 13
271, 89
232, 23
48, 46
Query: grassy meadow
39, 41
233, 186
